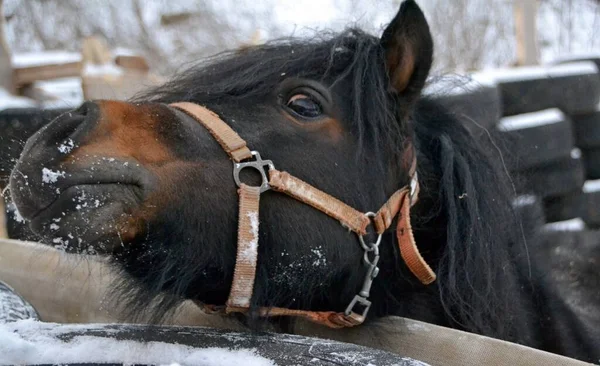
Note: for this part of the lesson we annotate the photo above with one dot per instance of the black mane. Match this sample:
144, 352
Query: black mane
465, 191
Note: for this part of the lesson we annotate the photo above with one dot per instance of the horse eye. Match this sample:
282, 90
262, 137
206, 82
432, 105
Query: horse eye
305, 106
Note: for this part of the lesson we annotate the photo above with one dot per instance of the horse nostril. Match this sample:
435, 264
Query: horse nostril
78, 122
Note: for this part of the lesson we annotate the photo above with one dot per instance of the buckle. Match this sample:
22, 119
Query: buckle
257, 164
358, 316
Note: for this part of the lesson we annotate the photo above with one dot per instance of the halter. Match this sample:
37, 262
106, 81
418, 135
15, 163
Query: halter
272, 179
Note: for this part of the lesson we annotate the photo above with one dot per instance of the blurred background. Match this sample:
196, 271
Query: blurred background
469, 34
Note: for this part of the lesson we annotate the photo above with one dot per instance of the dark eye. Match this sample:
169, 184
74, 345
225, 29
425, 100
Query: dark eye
305, 106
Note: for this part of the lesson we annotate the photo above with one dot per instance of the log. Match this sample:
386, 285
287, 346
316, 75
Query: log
137, 63
27, 75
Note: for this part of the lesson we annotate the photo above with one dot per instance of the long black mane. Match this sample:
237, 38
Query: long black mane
465, 223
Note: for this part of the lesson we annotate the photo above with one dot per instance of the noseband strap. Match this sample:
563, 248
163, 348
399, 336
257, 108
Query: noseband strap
244, 275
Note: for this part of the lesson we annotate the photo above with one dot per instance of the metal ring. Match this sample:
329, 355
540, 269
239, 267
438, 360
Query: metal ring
259, 165
371, 247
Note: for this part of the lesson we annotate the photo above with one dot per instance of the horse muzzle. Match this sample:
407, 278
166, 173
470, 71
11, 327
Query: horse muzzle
75, 180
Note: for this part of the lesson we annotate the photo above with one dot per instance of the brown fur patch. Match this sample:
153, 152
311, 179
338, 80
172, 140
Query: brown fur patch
126, 130
401, 65
329, 126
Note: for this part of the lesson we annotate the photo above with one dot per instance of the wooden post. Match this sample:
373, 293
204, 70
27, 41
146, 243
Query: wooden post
6, 82
525, 12
6, 71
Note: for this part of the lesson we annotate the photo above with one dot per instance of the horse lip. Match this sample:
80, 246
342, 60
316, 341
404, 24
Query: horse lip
129, 175
64, 188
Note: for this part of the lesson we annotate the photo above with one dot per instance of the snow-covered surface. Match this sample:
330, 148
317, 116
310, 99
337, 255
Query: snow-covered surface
575, 224
44, 58
100, 70
8, 100
540, 72
577, 57
575, 68
67, 92
529, 120
13, 307
591, 186
122, 51
23, 342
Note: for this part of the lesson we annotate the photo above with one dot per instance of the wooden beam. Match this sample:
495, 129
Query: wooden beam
3, 223
95, 50
28, 75
137, 63
6, 73
525, 12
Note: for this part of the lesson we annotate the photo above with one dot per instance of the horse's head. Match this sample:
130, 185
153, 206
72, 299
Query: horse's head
147, 184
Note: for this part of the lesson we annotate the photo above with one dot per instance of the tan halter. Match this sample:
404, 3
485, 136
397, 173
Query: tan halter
248, 222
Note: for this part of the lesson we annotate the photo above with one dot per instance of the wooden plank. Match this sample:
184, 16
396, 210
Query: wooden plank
137, 63
70, 288
94, 50
525, 12
3, 229
6, 73
28, 75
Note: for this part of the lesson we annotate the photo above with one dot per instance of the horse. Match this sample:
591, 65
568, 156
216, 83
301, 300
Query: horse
148, 183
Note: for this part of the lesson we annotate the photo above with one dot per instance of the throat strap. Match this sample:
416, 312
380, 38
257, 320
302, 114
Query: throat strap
242, 287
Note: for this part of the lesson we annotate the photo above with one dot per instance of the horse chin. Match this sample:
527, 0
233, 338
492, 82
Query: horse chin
86, 218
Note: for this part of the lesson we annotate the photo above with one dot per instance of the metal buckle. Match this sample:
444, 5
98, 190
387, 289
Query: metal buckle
257, 164
362, 301
369, 248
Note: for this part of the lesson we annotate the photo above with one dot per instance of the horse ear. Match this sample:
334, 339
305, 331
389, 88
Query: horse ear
408, 49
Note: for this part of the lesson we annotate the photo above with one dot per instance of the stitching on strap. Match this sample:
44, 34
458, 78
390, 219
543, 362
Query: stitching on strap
304, 192
229, 140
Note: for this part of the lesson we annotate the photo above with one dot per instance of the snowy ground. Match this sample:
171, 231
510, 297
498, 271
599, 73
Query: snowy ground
32, 342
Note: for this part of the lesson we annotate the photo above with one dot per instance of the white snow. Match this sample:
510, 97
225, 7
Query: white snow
122, 51
30, 342
577, 57
591, 186
576, 153
529, 120
540, 72
321, 260
18, 217
63, 92
575, 224
251, 252
100, 70
50, 176
66, 146
44, 58
575, 68
8, 100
